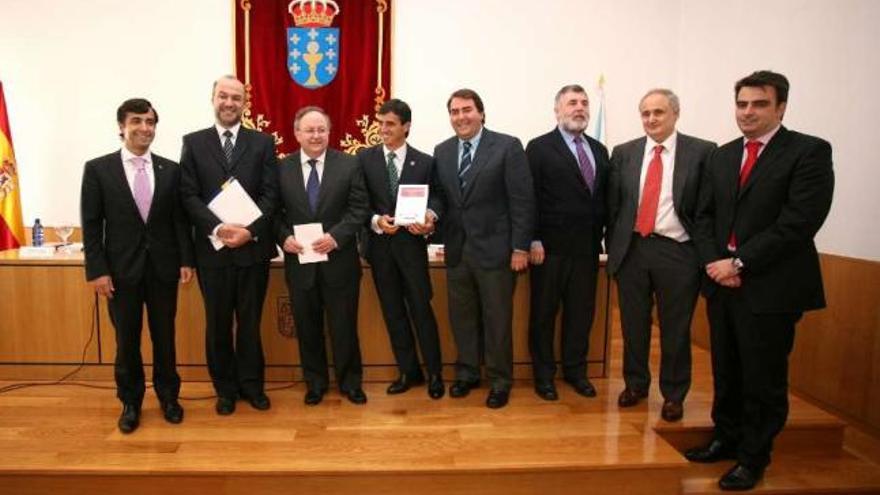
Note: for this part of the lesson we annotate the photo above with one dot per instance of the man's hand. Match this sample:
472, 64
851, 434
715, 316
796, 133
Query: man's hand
422, 228
732, 282
536, 253
386, 223
519, 260
721, 270
233, 236
186, 274
103, 286
325, 244
291, 246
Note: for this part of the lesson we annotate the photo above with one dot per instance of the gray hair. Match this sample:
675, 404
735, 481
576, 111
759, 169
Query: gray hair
672, 97
570, 88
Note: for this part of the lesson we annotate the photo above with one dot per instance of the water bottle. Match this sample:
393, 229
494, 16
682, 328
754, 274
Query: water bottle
37, 233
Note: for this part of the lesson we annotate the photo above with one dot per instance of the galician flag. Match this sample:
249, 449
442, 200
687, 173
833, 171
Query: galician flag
11, 226
598, 132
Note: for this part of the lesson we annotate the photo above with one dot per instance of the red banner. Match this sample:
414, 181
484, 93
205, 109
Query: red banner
335, 54
11, 226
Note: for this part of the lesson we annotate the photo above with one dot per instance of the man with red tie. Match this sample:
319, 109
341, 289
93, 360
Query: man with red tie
652, 199
762, 200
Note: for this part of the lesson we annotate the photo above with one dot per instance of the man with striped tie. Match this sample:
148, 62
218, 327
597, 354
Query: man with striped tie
485, 201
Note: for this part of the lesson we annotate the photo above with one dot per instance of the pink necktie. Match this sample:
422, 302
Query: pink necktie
143, 196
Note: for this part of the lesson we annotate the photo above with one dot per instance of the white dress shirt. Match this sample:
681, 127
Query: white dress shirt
667, 223
399, 160
131, 169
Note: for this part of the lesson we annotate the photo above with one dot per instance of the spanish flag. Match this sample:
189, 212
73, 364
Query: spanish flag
11, 226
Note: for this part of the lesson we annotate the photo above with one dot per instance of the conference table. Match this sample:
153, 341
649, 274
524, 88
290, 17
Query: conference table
51, 321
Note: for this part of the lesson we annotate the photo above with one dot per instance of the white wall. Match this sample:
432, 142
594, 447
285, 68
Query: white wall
66, 66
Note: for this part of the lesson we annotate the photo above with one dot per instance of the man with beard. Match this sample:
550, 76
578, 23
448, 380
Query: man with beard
569, 170
234, 276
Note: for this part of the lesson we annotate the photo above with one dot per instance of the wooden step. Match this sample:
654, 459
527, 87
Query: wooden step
792, 473
808, 429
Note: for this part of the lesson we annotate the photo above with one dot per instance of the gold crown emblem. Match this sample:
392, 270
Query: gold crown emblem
313, 13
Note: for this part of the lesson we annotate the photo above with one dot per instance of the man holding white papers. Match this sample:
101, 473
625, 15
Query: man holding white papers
234, 274
398, 255
325, 187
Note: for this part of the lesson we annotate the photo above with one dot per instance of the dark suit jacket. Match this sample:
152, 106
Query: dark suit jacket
775, 216
417, 169
342, 209
116, 240
496, 210
691, 155
205, 169
570, 218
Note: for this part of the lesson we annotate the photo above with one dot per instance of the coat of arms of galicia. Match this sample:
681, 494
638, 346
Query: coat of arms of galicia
313, 46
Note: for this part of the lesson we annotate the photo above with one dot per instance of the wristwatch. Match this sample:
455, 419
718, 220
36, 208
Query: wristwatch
738, 265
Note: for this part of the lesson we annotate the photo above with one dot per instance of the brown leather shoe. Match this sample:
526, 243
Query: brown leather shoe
630, 397
672, 411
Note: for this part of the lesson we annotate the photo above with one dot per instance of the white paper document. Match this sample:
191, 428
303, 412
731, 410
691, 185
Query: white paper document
412, 203
306, 234
233, 205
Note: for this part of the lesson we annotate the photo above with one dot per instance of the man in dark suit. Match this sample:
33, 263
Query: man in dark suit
762, 200
233, 260
326, 186
570, 172
399, 257
484, 198
137, 248
652, 198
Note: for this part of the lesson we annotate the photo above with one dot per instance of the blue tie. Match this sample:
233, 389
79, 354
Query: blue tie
465, 163
313, 187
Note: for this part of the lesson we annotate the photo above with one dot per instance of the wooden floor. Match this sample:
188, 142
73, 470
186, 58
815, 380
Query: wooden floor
63, 439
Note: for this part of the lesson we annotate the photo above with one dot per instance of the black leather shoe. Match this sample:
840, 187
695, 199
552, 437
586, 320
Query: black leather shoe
715, 451
225, 405
461, 388
546, 391
130, 418
740, 478
672, 411
436, 388
630, 397
172, 411
259, 402
356, 396
583, 387
403, 384
314, 396
497, 398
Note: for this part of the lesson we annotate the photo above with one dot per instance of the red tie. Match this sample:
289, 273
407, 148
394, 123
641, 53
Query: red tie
647, 214
752, 148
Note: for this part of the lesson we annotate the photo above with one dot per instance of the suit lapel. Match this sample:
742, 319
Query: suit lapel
448, 153
160, 180
118, 173
212, 141
634, 161
297, 185
680, 170
241, 146
328, 181
774, 148
487, 142
564, 151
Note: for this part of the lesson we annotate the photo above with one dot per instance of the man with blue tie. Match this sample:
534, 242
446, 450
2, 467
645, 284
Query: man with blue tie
569, 170
321, 185
485, 201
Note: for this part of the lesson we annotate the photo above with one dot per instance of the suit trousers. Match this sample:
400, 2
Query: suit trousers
341, 306
661, 268
404, 289
571, 282
750, 370
235, 357
126, 309
481, 312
